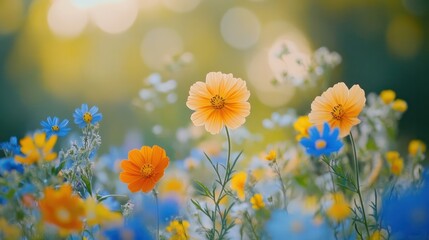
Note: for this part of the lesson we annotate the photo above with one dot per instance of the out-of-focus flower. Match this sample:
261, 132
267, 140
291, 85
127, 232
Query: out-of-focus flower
400, 105
52, 126
376, 235
82, 116
395, 161
133, 229
63, 209
12, 147
338, 106
37, 148
407, 215
178, 229
257, 201
340, 209
296, 226
301, 125
387, 96
416, 147
144, 168
9, 164
173, 184
9, 231
221, 100
271, 156
238, 184
322, 143
99, 214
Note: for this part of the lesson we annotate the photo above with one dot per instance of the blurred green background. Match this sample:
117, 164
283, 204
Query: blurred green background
57, 54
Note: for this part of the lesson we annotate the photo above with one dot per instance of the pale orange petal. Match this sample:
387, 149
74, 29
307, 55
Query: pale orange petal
213, 81
346, 125
355, 102
199, 96
340, 93
136, 157
199, 117
231, 119
214, 123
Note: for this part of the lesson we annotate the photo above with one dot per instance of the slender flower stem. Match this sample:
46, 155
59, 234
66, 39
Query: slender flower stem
277, 169
155, 195
357, 183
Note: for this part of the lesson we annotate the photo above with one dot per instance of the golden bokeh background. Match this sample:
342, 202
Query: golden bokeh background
57, 54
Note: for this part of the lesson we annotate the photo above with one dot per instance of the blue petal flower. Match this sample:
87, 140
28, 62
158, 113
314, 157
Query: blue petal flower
82, 116
322, 143
52, 127
9, 164
11, 148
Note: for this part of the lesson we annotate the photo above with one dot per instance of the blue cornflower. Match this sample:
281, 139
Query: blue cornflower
12, 147
325, 144
9, 164
53, 127
83, 116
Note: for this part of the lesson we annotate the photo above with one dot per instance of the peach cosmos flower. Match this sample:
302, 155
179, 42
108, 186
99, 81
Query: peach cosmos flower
63, 209
221, 100
143, 168
339, 106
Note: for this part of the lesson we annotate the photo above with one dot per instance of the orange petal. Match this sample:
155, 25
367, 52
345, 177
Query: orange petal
148, 185
136, 185
162, 164
213, 81
214, 123
158, 154
146, 151
131, 167
128, 177
340, 93
136, 157
355, 102
200, 116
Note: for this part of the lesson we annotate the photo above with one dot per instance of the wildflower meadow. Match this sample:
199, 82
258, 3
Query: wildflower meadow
298, 153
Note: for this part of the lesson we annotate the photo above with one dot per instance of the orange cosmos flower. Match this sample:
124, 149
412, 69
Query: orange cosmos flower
221, 100
339, 106
144, 168
63, 209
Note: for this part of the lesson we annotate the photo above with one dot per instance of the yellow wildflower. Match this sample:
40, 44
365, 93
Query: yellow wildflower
301, 125
396, 166
271, 156
178, 229
416, 146
400, 105
99, 214
257, 201
9, 231
376, 235
339, 209
238, 184
392, 155
387, 96
37, 148
173, 185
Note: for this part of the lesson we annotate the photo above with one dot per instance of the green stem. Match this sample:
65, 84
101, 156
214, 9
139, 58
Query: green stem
155, 194
358, 184
282, 184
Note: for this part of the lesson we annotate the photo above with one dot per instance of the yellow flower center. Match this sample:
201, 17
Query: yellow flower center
146, 170
320, 144
217, 102
55, 128
87, 117
63, 215
337, 112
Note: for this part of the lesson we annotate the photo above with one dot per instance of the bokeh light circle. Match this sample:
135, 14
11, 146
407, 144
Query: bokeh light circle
115, 16
240, 28
65, 19
158, 45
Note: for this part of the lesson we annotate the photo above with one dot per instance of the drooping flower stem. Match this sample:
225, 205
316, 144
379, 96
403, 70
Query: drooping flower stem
155, 195
358, 184
277, 170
